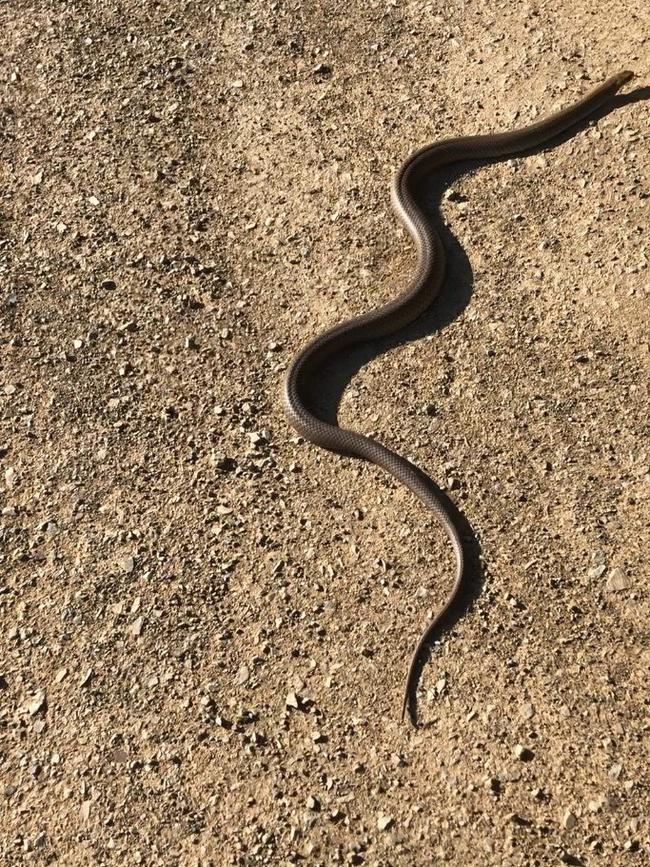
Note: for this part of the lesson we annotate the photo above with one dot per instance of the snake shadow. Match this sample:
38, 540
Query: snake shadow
454, 297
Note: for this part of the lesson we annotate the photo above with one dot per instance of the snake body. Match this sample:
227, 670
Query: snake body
418, 296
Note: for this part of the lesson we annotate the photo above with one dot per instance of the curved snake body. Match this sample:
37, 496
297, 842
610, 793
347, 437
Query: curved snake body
423, 288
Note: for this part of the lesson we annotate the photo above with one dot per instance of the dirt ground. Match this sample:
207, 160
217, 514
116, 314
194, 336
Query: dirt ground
205, 622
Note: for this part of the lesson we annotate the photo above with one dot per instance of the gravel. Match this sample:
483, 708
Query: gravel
205, 621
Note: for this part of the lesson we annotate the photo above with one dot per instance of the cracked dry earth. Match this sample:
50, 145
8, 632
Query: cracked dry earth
205, 622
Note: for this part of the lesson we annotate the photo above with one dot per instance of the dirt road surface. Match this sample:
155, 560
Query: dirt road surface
205, 622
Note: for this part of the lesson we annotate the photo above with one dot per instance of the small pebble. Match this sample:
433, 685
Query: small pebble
527, 711
452, 195
525, 754
292, 701
385, 822
242, 675
223, 463
37, 704
258, 438
617, 581
569, 820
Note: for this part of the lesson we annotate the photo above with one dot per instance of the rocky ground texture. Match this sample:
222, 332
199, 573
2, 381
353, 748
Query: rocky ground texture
204, 621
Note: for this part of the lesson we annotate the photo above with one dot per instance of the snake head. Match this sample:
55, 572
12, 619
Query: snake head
622, 78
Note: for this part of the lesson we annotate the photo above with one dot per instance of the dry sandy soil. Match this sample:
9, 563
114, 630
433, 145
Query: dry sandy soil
204, 621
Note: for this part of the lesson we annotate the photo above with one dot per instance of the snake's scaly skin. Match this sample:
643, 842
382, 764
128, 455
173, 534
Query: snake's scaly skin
422, 290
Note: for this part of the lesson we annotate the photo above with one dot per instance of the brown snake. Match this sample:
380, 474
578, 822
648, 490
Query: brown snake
423, 288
